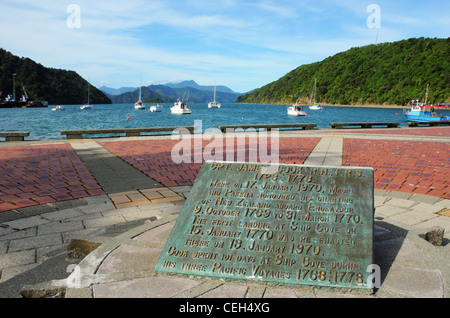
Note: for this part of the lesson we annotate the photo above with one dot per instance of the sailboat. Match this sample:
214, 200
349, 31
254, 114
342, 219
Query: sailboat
315, 106
214, 104
139, 104
88, 105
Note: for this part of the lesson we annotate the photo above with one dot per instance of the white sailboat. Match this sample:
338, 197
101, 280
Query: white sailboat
214, 104
315, 106
139, 104
88, 105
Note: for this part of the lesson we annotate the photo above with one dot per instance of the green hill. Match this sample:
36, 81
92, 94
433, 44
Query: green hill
381, 74
42, 83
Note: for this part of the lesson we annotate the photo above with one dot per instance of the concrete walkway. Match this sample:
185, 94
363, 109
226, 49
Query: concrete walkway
109, 243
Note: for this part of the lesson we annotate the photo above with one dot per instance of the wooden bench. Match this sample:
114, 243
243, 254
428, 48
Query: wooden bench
129, 132
303, 126
430, 123
363, 125
14, 135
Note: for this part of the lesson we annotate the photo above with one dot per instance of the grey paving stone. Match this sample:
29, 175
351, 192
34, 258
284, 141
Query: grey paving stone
25, 223
149, 287
17, 258
59, 227
104, 221
34, 242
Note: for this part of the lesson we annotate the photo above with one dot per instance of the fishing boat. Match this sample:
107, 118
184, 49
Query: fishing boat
424, 112
155, 108
139, 104
421, 112
88, 105
315, 106
296, 110
214, 104
180, 108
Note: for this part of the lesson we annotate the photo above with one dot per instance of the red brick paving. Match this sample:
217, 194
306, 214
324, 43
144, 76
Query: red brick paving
153, 157
406, 166
32, 175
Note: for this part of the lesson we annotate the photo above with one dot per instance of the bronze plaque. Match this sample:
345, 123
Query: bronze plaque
291, 224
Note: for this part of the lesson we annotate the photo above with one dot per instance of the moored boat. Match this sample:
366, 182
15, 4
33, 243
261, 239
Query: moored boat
296, 110
139, 104
424, 112
421, 112
88, 105
59, 107
180, 108
315, 105
214, 103
155, 108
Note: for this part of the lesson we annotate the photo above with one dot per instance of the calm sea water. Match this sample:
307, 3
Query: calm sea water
43, 123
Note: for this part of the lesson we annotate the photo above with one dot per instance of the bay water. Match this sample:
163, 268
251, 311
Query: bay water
43, 123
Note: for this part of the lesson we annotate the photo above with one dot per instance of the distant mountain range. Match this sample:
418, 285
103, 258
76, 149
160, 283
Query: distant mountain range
188, 91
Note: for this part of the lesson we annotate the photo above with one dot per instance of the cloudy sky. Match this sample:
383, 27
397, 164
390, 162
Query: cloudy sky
240, 44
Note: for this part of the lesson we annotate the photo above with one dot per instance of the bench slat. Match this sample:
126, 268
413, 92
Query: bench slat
130, 132
223, 128
364, 125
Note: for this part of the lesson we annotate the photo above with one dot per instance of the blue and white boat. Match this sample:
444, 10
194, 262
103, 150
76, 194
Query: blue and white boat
423, 112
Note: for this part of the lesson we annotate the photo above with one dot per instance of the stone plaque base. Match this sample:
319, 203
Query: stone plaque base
290, 224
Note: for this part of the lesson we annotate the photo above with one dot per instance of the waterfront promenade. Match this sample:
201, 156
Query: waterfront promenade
122, 196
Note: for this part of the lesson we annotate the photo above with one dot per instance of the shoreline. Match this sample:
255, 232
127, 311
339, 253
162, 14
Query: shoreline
334, 105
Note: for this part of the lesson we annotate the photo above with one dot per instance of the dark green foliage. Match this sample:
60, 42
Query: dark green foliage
382, 74
45, 84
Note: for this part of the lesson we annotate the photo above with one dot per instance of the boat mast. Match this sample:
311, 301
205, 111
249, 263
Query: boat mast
315, 85
426, 95
89, 88
140, 86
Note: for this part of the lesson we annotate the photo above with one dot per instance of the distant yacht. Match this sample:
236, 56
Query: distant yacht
315, 106
88, 105
59, 107
214, 104
155, 108
139, 104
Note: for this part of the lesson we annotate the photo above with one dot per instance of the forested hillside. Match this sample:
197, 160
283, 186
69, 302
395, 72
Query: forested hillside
42, 83
381, 74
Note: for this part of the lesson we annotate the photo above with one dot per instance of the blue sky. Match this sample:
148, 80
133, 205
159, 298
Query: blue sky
240, 44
